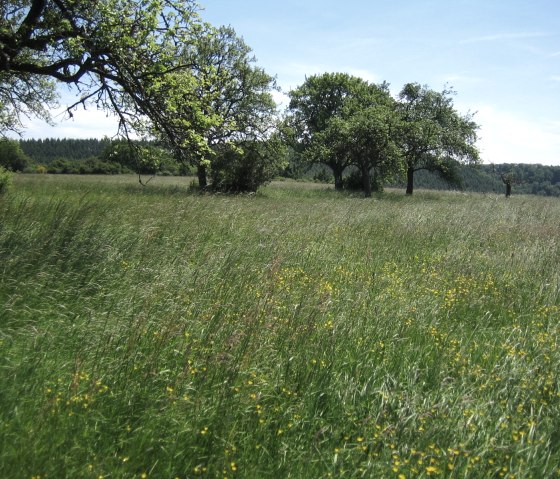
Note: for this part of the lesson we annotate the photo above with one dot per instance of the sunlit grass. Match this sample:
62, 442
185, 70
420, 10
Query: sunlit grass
298, 332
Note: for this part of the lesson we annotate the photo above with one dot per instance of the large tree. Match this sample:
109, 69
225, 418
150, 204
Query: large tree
432, 134
114, 53
340, 120
369, 135
232, 95
315, 108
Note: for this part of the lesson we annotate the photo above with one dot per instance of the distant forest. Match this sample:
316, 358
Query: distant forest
526, 178
90, 156
44, 152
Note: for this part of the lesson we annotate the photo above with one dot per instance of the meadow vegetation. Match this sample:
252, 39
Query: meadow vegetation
298, 332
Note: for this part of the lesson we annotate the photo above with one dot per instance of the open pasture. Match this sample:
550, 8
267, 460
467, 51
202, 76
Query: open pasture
298, 332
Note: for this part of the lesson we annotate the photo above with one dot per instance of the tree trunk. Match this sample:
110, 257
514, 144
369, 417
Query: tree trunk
201, 173
409, 181
366, 182
508, 189
338, 184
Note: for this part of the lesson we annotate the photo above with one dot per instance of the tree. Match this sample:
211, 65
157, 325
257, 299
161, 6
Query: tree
232, 94
511, 175
339, 120
315, 108
12, 157
369, 139
432, 135
115, 53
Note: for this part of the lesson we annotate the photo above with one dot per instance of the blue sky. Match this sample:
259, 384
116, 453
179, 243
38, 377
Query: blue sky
501, 56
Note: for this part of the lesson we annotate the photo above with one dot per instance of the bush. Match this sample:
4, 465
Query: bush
5, 179
12, 156
354, 182
243, 167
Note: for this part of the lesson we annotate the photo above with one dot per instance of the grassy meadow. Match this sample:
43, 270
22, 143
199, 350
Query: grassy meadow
149, 332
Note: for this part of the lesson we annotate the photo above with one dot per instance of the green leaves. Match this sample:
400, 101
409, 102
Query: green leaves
215, 100
432, 134
340, 121
113, 52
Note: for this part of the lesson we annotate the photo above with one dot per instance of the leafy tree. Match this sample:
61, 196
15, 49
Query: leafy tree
115, 53
432, 135
316, 108
370, 142
12, 156
233, 97
340, 120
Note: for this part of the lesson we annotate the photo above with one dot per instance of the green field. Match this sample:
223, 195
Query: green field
298, 332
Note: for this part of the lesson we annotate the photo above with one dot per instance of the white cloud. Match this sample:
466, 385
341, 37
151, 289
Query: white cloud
507, 138
90, 123
503, 36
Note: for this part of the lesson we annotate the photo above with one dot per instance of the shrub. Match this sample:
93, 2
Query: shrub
12, 156
354, 182
5, 179
243, 167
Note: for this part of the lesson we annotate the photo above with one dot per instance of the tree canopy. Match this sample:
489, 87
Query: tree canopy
224, 98
113, 52
432, 134
340, 120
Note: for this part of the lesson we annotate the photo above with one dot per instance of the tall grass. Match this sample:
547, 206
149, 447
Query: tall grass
147, 332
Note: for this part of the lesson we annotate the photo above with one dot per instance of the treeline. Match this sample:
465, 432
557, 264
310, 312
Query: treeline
103, 156
88, 156
46, 151
526, 179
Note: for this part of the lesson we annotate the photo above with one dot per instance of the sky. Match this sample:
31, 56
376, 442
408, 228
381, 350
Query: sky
502, 57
